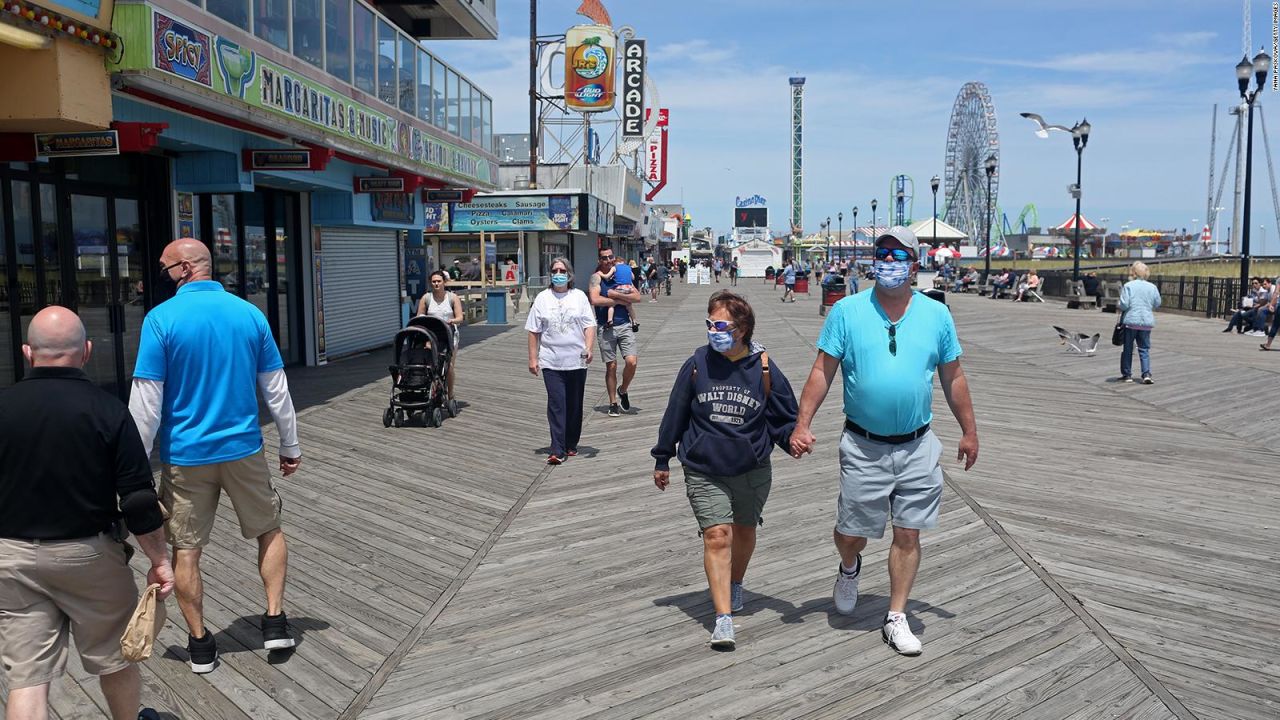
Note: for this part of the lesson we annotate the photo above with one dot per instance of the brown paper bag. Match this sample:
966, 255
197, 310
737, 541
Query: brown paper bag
140, 634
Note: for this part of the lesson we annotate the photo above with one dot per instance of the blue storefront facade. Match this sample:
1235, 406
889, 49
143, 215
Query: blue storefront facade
298, 151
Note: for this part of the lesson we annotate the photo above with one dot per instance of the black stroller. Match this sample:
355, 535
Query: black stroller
420, 377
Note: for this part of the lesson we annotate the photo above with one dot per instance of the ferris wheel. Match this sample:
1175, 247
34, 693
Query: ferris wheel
971, 139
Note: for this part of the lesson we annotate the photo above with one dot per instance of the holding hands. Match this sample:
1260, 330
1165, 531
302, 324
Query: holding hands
802, 441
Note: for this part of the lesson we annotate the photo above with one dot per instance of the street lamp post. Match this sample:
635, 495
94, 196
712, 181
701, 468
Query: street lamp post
991, 171
873, 222
933, 185
840, 229
1079, 138
855, 238
1258, 68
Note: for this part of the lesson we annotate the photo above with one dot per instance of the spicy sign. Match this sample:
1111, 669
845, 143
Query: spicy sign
182, 50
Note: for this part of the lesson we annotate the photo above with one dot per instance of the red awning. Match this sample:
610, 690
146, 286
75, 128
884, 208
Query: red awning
1070, 223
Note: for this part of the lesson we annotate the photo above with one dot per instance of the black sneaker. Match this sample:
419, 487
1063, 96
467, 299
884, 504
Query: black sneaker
203, 653
148, 714
275, 632
614, 410
1146, 380
626, 402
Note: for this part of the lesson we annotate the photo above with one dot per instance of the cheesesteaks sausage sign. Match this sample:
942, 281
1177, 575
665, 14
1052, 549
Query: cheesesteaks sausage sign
499, 214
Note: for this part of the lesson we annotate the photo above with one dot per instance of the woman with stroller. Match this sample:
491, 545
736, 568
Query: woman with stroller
562, 332
730, 405
445, 306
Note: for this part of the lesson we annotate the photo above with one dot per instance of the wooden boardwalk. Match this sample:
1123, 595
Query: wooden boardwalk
1113, 554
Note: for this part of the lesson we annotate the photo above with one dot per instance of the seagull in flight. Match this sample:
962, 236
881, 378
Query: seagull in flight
1044, 128
1078, 342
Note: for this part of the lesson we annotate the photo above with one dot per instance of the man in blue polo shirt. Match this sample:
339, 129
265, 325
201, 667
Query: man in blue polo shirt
203, 355
888, 343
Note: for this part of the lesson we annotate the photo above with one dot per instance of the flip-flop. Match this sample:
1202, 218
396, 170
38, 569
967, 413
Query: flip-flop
1264, 347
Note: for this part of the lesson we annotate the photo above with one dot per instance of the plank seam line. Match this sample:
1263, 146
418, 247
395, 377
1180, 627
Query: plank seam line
362, 699
1070, 601
1074, 605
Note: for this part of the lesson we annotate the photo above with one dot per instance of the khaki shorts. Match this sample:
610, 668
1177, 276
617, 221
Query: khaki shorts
733, 499
617, 340
190, 495
53, 590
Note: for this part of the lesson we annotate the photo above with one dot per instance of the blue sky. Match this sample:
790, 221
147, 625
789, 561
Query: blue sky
881, 80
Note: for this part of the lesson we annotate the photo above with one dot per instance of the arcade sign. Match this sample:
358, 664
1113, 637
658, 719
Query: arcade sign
448, 195
633, 68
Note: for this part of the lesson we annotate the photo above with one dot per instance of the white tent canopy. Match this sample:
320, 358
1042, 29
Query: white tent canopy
924, 231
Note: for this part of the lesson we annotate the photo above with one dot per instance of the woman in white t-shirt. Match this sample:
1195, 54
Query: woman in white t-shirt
442, 304
562, 331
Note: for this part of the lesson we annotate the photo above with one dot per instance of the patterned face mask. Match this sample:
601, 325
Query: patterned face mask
890, 275
720, 341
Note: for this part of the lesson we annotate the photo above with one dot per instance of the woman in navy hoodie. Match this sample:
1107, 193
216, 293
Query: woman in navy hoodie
728, 409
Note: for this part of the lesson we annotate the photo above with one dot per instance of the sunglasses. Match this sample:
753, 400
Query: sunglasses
893, 340
884, 253
719, 325
606, 257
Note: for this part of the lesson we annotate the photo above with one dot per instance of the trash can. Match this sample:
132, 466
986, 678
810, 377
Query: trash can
496, 306
936, 294
802, 284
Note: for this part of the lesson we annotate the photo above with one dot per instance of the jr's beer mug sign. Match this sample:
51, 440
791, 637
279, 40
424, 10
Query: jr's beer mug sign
589, 72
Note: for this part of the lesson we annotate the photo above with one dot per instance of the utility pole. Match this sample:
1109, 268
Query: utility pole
533, 93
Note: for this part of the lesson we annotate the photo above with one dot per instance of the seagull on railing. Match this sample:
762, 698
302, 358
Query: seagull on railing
1078, 342
1044, 127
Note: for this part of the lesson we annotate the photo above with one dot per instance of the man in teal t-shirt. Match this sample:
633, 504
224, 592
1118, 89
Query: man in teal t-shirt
888, 344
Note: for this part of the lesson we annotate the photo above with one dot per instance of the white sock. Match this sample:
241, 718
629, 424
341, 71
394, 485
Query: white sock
891, 616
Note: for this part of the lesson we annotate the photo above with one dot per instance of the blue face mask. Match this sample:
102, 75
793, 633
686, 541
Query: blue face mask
720, 341
559, 279
890, 275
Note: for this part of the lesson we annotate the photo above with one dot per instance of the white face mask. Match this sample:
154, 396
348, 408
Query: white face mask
892, 274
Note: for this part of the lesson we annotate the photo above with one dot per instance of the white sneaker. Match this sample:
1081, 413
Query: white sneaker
897, 635
722, 635
846, 590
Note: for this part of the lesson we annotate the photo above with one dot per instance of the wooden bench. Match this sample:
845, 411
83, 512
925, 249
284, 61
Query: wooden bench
473, 304
1111, 296
1075, 294
988, 286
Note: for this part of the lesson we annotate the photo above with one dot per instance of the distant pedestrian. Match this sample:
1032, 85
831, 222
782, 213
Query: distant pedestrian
204, 353
889, 343
562, 330
733, 272
789, 282
730, 405
717, 266
1138, 302
664, 278
74, 482
617, 335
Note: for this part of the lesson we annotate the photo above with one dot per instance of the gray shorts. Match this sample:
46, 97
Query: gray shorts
876, 478
617, 340
733, 499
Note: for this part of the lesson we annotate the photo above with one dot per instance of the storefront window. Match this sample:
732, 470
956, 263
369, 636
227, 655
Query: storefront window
408, 82
365, 49
6, 344
255, 251
486, 124
551, 251
226, 251
337, 23
438, 93
24, 240
387, 63
424, 85
271, 21
307, 31
454, 93
49, 245
235, 12
464, 110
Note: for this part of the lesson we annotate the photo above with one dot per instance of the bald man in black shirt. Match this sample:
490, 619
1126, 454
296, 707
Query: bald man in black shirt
72, 469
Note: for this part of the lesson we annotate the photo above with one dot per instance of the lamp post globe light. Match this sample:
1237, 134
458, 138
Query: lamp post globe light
933, 185
990, 167
873, 222
1259, 68
840, 229
855, 238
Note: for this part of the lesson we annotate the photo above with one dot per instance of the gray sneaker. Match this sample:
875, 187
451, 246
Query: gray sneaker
722, 636
614, 410
846, 590
735, 597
